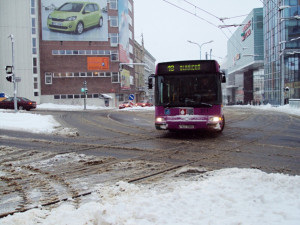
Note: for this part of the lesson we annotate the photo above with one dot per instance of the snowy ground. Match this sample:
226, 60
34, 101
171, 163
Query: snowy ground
227, 196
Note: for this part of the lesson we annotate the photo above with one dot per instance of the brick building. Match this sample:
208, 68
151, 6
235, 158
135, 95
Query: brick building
54, 57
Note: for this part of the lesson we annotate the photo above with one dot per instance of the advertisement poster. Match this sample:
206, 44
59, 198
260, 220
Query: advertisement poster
125, 80
75, 20
98, 63
123, 31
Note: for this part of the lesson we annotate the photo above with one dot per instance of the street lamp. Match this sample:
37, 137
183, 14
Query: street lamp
200, 46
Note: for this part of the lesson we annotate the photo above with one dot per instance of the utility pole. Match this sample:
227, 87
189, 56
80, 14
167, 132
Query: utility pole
85, 93
13, 73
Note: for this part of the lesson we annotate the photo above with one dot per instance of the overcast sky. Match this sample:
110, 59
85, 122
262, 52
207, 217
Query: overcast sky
166, 28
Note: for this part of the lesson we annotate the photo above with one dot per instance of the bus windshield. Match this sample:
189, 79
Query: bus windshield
190, 90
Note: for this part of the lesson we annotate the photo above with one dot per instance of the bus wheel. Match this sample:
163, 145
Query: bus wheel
223, 124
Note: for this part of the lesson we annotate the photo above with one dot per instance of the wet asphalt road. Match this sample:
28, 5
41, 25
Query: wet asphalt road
252, 138
114, 145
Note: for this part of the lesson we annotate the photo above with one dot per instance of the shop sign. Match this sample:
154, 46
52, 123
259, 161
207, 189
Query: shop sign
246, 31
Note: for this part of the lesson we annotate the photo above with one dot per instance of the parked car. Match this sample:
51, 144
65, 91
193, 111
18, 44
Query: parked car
75, 17
144, 103
125, 105
22, 103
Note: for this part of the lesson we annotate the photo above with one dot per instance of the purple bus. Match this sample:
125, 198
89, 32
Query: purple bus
188, 95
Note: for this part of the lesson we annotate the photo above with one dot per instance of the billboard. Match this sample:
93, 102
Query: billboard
74, 21
98, 63
125, 80
123, 31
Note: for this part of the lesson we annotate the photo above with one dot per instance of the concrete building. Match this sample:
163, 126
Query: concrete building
57, 61
282, 50
142, 72
20, 19
245, 61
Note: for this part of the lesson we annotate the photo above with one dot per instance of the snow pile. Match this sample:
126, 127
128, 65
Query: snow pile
138, 108
34, 123
227, 196
51, 106
284, 109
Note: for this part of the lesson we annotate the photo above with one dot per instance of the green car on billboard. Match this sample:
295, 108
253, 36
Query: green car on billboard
75, 17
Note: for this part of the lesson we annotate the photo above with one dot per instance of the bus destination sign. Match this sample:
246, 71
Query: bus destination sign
183, 67
190, 67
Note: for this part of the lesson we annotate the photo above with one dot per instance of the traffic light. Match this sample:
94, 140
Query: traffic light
150, 81
9, 69
9, 78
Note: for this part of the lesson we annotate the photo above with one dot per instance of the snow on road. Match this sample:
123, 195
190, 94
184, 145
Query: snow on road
227, 196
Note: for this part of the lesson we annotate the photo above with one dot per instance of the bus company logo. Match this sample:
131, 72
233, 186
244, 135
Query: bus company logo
190, 67
186, 111
182, 111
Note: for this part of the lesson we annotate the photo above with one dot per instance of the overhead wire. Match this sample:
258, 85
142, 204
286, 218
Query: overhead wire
195, 14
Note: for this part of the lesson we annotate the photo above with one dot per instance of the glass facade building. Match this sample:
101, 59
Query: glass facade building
245, 58
282, 50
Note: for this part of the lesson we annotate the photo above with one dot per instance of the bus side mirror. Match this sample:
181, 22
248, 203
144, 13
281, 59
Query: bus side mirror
223, 77
150, 81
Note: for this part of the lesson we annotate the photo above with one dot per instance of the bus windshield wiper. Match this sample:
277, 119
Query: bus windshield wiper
205, 104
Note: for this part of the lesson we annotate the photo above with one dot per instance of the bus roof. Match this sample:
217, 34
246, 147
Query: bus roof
187, 67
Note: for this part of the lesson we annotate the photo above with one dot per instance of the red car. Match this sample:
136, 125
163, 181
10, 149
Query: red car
22, 103
144, 103
125, 105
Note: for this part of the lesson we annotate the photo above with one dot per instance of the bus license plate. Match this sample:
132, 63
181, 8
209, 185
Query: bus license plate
186, 126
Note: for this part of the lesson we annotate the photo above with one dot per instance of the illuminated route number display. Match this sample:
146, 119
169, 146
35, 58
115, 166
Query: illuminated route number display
191, 67
188, 67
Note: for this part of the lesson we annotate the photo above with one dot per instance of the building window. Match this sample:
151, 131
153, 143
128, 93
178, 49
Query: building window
35, 83
115, 77
33, 26
120, 97
34, 65
114, 39
114, 56
113, 21
48, 78
32, 7
36, 93
113, 4
34, 51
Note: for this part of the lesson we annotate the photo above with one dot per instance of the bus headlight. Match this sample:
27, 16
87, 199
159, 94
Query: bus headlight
215, 119
160, 120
